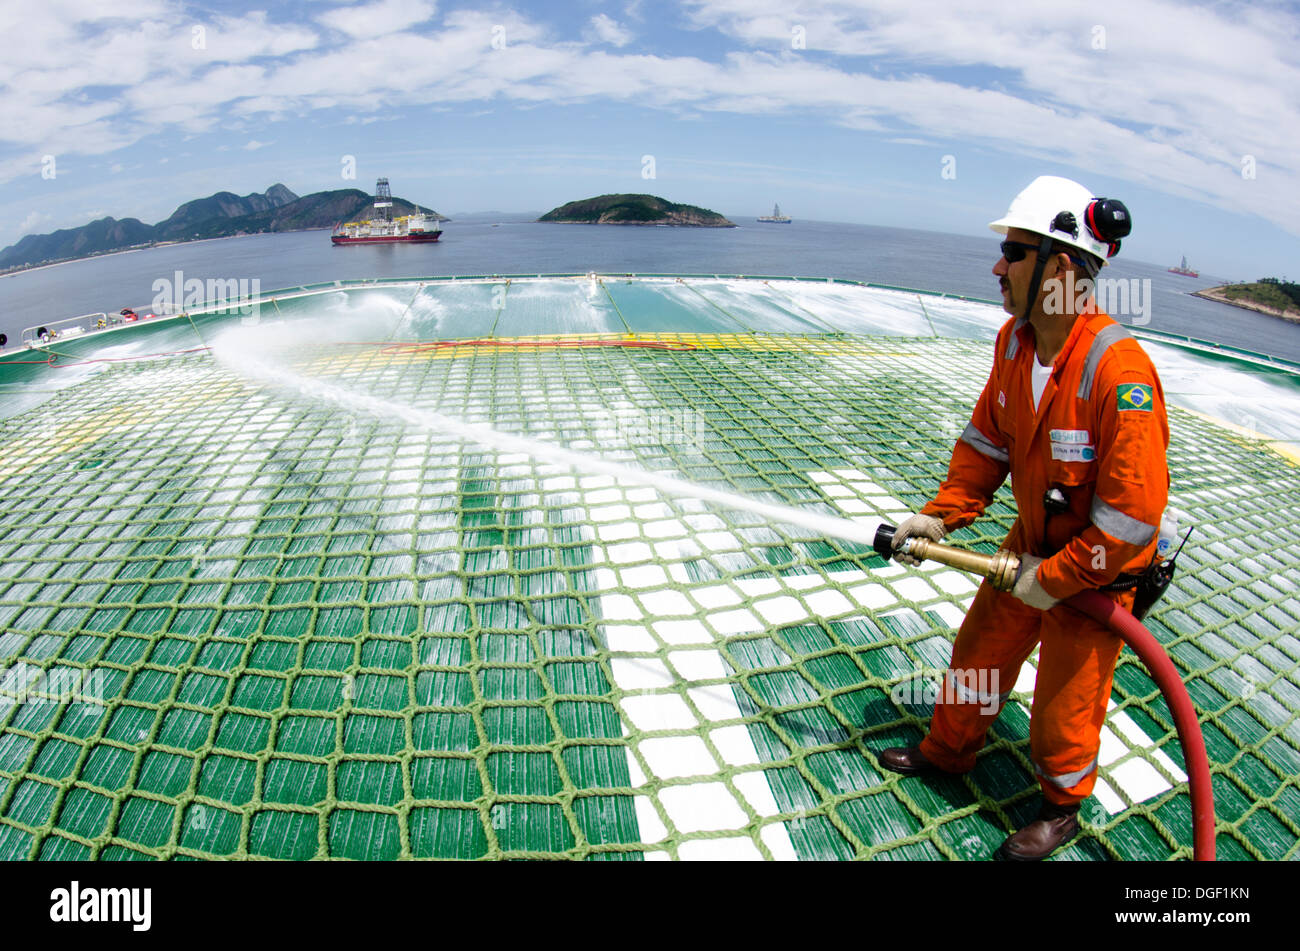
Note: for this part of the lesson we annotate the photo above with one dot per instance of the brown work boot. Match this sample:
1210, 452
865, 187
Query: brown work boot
1055, 826
908, 760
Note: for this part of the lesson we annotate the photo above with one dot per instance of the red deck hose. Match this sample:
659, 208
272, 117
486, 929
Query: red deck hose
1105, 611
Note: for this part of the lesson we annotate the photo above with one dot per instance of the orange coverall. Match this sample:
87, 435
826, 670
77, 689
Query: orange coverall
1100, 435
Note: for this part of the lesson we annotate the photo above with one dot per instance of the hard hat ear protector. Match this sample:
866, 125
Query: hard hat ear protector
1108, 220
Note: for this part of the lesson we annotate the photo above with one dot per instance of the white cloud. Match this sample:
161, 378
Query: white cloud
378, 19
605, 29
1176, 98
29, 223
252, 145
136, 56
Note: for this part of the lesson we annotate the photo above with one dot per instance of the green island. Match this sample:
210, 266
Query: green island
635, 210
1268, 295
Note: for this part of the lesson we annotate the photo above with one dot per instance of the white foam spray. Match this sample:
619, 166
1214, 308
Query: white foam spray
862, 532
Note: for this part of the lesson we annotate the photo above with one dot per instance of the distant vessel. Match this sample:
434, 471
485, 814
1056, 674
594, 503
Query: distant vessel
776, 218
1184, 270
382, 227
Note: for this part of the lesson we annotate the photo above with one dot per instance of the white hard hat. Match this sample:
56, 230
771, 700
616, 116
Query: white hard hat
1039, 207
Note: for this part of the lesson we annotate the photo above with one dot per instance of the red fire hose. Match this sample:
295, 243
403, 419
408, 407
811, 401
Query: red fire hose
1123, 624
1001, 569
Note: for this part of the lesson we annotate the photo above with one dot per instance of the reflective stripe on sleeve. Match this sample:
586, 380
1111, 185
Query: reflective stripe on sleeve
982, 444
1100, 344
1067, 780
1118, 525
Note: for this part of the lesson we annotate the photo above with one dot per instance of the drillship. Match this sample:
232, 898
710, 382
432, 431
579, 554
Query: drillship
775, 217
382, 227
1184, 270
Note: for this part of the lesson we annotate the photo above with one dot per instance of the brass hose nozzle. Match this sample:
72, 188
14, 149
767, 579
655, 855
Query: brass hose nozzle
1000, 568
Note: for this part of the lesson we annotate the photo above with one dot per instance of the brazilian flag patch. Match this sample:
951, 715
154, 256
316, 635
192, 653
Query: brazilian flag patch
1135, 396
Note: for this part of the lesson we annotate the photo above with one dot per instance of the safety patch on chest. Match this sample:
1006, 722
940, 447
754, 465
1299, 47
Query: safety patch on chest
1002, 398
1072, 451
1134, 396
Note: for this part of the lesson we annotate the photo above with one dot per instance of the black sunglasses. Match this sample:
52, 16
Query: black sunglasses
1015, 251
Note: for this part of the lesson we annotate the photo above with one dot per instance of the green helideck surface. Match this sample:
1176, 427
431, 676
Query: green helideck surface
238, 619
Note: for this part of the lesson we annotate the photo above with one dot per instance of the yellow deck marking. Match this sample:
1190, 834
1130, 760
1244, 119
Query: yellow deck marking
48, 442
21, 455
1286, 448
404, 352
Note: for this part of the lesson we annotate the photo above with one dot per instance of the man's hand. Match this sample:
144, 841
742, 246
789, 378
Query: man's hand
915, 526
1028, 589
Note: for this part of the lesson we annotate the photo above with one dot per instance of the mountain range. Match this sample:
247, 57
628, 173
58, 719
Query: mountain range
217, 216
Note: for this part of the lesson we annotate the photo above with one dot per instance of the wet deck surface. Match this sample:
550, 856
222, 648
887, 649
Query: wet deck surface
290, 629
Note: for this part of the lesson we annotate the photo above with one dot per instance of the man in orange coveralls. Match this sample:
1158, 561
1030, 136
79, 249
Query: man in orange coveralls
1074, 412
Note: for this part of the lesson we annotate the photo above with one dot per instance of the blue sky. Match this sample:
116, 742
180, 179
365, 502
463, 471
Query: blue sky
839, 110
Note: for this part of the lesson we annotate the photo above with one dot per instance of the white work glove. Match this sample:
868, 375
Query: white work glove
1028, 589
915, 526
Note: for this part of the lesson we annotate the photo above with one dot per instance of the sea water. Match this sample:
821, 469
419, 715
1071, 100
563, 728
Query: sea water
954, 264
